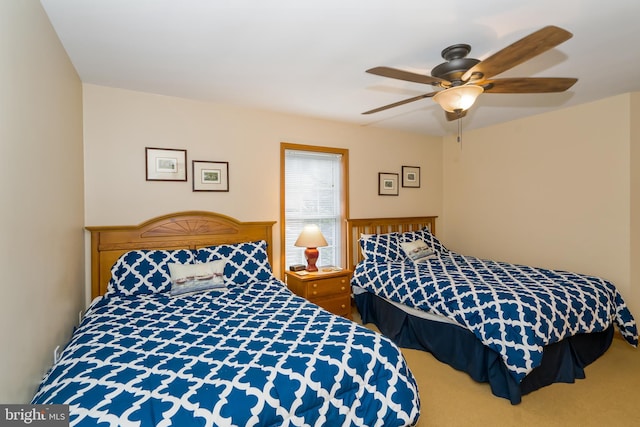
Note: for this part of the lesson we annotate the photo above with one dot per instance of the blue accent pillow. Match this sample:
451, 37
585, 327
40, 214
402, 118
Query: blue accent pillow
145, 271
246, 262
426, 236
382, 247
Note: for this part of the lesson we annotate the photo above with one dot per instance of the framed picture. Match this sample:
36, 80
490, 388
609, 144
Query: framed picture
166, 164
411, 176
387, 184
210, 176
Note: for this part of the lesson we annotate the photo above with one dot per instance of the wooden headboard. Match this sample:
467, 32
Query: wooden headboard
181, 230
356, 227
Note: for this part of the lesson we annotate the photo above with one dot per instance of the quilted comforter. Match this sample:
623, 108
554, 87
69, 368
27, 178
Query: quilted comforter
247, 356
513, 309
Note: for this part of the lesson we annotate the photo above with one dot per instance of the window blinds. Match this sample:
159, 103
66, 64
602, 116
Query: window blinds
312, 196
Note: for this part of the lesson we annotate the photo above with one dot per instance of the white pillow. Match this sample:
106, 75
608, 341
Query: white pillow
189, 278
417, 251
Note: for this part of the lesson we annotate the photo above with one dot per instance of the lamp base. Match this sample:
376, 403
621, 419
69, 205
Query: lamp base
311, 254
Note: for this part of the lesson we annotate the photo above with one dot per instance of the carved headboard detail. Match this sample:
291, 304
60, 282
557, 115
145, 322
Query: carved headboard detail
188, 230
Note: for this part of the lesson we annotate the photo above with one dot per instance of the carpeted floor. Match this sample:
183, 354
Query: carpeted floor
609, 396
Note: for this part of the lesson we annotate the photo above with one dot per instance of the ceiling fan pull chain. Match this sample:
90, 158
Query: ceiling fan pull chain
459, 127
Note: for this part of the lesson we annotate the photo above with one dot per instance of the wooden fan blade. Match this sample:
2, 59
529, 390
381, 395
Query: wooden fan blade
519, 52
406, 75
528, 85
455, 116
395, 104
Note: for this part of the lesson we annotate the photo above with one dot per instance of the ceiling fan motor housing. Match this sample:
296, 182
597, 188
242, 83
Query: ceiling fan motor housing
457, 64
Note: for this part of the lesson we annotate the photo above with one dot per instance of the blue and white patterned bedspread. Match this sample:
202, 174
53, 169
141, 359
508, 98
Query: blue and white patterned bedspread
513, 309
253, 355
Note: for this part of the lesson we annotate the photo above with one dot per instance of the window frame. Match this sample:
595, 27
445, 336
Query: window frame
344, 201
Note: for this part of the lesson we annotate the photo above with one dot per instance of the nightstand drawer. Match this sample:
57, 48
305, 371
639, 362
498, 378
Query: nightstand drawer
340, 305
328, 286
329, 290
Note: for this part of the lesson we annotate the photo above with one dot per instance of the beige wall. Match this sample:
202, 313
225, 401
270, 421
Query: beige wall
635, 202
551, 190
41, 187
119, 124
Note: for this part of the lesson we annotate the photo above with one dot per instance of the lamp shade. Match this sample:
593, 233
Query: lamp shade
458, 97
311, 237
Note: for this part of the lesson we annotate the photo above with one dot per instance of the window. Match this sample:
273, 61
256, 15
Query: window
313, 191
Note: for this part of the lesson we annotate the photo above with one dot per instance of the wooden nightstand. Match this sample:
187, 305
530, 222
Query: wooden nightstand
329, 290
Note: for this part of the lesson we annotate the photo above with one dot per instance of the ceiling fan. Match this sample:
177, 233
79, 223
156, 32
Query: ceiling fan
463, 79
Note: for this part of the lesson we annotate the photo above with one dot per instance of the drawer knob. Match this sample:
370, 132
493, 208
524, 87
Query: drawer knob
342, 288
343, 306
315, 292
315, 285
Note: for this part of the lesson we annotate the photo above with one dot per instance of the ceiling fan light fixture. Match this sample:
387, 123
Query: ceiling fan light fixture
458, 98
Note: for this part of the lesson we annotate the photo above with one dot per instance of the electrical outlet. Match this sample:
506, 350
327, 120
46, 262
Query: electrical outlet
56, 355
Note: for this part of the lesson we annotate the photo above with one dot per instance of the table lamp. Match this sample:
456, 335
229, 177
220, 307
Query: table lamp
311, 238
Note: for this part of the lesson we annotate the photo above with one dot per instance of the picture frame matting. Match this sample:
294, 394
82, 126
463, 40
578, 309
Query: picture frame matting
165, 164
411, 176
210, 175
388, 184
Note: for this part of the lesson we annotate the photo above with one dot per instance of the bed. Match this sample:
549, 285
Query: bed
518, 328
189, 327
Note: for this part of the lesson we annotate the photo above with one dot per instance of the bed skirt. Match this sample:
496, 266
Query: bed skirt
562, 362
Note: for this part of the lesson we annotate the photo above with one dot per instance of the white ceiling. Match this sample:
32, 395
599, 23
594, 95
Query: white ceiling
309, 57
